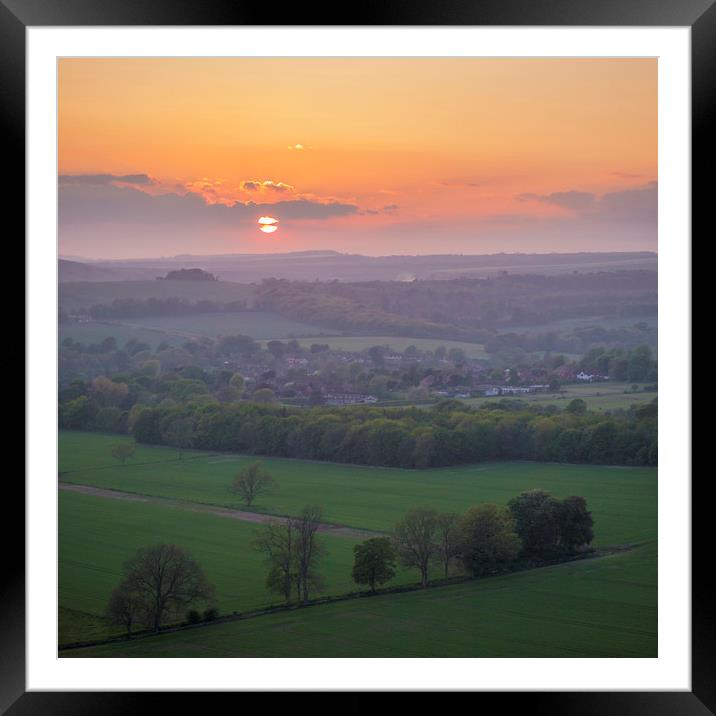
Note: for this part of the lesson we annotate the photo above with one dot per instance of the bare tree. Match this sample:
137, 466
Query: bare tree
414, 539
252, 481
166, 580
292, 552
448, 538
124, 607
277, 540
308, 551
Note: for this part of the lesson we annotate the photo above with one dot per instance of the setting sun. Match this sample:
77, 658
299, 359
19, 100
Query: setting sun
267, 224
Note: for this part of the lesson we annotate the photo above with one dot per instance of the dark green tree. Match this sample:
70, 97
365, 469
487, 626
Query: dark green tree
489, 540
536, 515
575, 523
374, 562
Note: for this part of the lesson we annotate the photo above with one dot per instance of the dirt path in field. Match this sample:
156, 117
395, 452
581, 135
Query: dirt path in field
258, 518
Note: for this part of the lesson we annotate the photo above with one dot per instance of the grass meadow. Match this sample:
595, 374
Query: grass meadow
622, 499
593, 608
600, 607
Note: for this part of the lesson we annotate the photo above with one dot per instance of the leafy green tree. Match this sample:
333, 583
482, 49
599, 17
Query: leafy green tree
575, 523
77, 414
111, 419
237, 382
178, 432
639, 364
374, 562
105, 392
414, 539
151, 367
276, 348
536, 515
252, 481
576, 406
123, 451
264, 395
457, 355
184, 389
489, 539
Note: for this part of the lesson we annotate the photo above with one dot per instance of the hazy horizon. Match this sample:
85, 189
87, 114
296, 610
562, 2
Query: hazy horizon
101, 259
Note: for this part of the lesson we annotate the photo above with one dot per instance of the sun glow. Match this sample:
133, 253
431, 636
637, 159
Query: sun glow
267, 224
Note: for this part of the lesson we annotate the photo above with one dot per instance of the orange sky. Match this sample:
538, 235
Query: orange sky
433, 155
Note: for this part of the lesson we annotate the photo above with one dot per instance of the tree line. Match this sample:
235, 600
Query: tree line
450, 433
163, 583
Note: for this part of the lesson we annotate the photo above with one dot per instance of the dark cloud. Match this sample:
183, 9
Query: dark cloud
106, 179
109, 204
632, 204
628, 205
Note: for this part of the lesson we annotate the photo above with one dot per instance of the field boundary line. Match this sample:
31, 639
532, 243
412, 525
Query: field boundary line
330, 528
597, 553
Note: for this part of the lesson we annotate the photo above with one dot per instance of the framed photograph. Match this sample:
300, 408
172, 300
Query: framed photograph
344, 352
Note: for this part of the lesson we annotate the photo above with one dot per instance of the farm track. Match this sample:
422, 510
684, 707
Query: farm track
242, 515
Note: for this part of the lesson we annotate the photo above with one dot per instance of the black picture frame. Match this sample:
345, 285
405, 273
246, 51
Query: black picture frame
699, 15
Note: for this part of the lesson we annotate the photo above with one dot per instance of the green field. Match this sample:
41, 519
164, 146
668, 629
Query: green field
610, 395
600, 607
623, 500
260, 325
594, 608
97, 535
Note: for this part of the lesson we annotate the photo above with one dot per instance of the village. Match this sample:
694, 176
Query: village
379, 375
